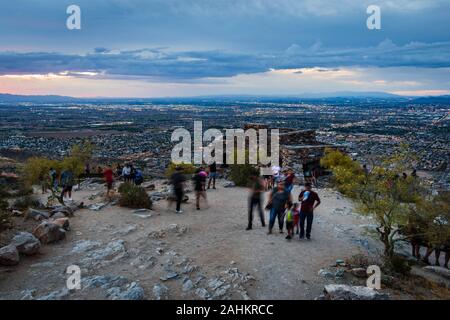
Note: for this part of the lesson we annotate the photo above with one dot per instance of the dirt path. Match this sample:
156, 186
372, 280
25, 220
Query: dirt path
208, 252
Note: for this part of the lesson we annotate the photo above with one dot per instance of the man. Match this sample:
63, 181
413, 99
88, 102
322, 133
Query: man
199, 186
177, 181
256, 190
277, 200
126, 173
108, 175
310, 200
212, 175
67, 182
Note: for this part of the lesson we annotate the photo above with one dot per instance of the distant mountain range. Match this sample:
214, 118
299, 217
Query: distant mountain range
318, 97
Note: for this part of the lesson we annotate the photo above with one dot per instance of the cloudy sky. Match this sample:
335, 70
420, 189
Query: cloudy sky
154, 48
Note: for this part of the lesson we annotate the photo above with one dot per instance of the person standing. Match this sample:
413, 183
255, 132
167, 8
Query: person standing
309, 201
277, 202
67, 182
108, 175
256, 191
199, 186
177, 181
126, 173
53, 179
212, 174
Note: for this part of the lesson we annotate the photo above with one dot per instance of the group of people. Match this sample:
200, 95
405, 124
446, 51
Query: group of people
66, 181
128, 173
199, 179
296, 216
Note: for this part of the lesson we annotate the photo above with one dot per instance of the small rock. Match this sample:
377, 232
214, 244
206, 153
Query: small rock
56, 295
187, 285
339, 273
160, 291
345, 292
85, 245
17, 213
28, 294
169, 275
97, 206
132, 292
36, 214
325, 273
9, 256
202, 293
229, 184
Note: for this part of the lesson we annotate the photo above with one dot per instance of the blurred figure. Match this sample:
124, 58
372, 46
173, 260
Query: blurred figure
289, 180
212, 175
108, 174
67, 182
256, 191
138, 177
177, 181
199, 186
277, 201
126, 173
53, 179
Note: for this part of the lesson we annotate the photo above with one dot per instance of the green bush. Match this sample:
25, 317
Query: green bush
132, 196
240, 173
187, 168
400, 265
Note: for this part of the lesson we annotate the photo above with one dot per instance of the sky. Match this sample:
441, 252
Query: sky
160, 48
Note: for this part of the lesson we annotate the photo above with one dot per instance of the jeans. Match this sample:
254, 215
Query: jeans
308, 216
255, 201
179, 197
289, 187
274, 213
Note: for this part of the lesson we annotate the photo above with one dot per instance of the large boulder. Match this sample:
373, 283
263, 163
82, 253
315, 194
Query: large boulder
9, 256
48, 232
37, 215
346, 292
26, 243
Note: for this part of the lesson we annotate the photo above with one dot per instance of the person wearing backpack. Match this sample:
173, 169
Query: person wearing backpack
67, 182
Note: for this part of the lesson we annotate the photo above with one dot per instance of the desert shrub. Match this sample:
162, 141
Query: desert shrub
361, 261
187, 168
132, 196
26, 202
399, 264
240, 173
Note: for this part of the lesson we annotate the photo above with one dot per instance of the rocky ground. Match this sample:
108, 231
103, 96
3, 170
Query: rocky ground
206, 254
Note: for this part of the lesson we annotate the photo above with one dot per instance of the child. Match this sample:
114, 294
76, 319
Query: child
296, 217
289, 216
